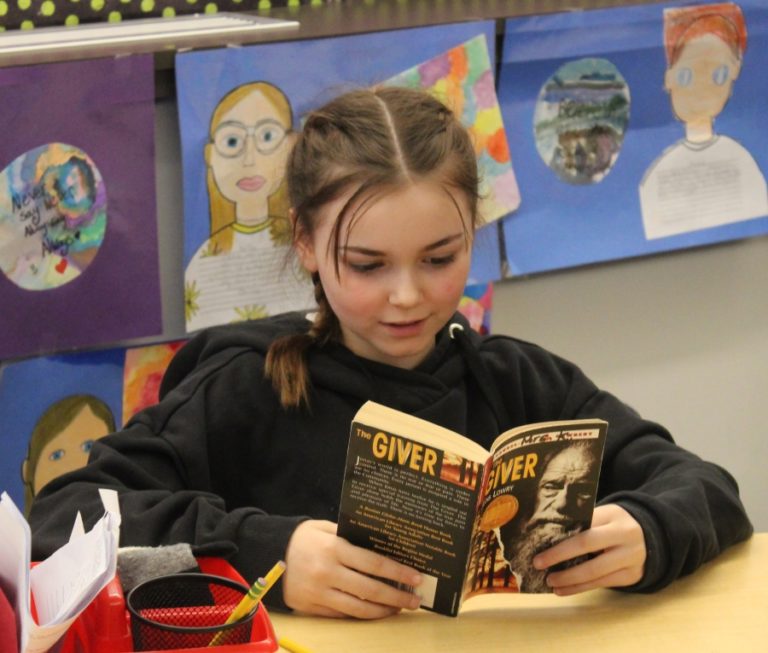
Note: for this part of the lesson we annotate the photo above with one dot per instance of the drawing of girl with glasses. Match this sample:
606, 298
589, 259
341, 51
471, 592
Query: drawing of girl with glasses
243, 271
705, 179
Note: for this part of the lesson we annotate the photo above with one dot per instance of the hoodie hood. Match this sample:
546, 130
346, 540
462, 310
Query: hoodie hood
209, 344
432, 390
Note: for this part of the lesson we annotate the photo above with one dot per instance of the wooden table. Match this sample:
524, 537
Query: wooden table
722, 607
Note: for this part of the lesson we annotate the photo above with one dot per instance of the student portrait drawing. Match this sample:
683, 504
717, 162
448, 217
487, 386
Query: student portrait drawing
706, 179
62, 440
242, 270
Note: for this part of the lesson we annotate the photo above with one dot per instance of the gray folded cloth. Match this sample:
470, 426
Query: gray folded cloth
135, 564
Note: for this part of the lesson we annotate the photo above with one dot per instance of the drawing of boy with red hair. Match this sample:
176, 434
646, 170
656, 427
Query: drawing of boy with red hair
704, 180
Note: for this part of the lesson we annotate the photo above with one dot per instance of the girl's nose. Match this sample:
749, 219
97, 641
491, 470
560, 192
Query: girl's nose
405, 290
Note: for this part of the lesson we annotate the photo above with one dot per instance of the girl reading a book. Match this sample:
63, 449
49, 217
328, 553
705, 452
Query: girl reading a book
244, 454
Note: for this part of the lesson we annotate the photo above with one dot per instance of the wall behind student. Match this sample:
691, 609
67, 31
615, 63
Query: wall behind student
682, 337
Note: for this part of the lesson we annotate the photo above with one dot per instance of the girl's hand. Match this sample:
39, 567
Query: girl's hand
618, 545
326, 575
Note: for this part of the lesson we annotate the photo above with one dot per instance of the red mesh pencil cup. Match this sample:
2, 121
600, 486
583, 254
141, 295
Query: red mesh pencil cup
183, 611
104, 626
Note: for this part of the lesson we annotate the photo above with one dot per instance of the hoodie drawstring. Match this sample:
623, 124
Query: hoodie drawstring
483, 377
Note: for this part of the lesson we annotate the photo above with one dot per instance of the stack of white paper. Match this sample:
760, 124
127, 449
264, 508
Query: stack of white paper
63, 585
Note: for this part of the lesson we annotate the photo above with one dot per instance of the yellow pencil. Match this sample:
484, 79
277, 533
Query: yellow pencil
252, 598
291, 646
273, 575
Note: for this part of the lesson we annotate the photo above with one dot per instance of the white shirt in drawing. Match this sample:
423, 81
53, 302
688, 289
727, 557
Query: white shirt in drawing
700, 185
254, 279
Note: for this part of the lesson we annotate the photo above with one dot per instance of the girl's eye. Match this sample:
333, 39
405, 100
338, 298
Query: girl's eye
439, 261
86, 446
364, 267
56, 455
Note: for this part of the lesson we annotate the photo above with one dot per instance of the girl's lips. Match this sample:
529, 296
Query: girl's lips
405, 328
251, 184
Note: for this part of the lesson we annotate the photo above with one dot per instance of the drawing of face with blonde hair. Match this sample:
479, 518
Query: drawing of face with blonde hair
250, 138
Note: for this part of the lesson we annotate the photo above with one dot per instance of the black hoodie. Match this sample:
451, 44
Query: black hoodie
219, 464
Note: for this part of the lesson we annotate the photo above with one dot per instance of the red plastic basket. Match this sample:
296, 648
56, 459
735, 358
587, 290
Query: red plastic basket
104, 626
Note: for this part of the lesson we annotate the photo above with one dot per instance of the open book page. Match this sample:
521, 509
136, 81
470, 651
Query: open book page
539, 489
14, 563
64, 584
410, 495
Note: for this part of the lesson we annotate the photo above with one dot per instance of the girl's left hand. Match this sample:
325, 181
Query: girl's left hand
615, 539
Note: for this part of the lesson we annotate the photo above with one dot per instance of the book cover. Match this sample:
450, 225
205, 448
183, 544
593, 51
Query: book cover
468, 519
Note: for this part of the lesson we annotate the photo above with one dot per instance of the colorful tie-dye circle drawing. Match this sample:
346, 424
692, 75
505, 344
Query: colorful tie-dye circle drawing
53, 216
580, 118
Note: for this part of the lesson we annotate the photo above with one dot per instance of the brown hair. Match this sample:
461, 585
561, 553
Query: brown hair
364, 141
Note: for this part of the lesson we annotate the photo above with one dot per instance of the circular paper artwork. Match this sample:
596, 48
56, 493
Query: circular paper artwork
580, 118
53, 216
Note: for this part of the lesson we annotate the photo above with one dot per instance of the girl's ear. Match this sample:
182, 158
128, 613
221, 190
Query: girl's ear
303, 244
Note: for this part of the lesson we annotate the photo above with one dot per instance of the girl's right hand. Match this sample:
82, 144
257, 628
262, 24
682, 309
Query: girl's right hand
326, 575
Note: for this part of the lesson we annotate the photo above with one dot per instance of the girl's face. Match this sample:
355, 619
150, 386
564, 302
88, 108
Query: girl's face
403, 267
249, 150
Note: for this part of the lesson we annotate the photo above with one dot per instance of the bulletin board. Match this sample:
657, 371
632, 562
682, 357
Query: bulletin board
78, 228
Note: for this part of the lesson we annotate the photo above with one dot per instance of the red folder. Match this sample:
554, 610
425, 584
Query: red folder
8, 636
